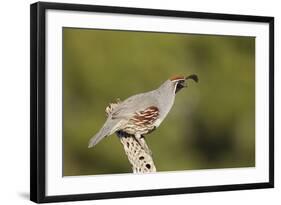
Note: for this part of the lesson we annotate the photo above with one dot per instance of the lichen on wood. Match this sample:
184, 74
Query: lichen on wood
140, 159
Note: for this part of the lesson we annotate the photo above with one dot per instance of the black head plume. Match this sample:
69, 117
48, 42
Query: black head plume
193, 77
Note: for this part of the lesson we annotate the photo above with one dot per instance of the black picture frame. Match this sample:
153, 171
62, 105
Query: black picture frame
38, 100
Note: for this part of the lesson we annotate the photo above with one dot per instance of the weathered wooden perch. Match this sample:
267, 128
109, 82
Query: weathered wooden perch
140, 158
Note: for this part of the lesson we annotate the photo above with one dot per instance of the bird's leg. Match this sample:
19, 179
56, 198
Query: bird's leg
141, 141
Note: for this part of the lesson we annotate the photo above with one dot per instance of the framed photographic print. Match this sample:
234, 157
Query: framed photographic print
129, 102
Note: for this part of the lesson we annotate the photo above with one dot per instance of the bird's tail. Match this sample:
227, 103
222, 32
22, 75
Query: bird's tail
107, 129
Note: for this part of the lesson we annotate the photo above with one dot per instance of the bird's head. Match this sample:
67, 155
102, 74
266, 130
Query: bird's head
180, 82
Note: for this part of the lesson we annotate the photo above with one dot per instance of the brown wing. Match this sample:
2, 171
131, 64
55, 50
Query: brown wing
146, 117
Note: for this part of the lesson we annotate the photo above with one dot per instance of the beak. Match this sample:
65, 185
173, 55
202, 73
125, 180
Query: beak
183, 83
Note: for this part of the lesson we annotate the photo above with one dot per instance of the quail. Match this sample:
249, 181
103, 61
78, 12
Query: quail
141, 114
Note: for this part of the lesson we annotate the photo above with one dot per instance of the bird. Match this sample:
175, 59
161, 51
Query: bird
142, 113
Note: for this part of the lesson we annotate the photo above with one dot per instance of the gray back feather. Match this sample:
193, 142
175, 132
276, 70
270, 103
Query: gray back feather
162, 98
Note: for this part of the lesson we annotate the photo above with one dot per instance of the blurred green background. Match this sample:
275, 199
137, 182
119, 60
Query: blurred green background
212, 123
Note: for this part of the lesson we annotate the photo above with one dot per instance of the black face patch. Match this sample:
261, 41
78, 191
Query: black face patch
180, 85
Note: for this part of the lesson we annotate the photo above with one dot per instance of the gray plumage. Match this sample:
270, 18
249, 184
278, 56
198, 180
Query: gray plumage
142, 113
